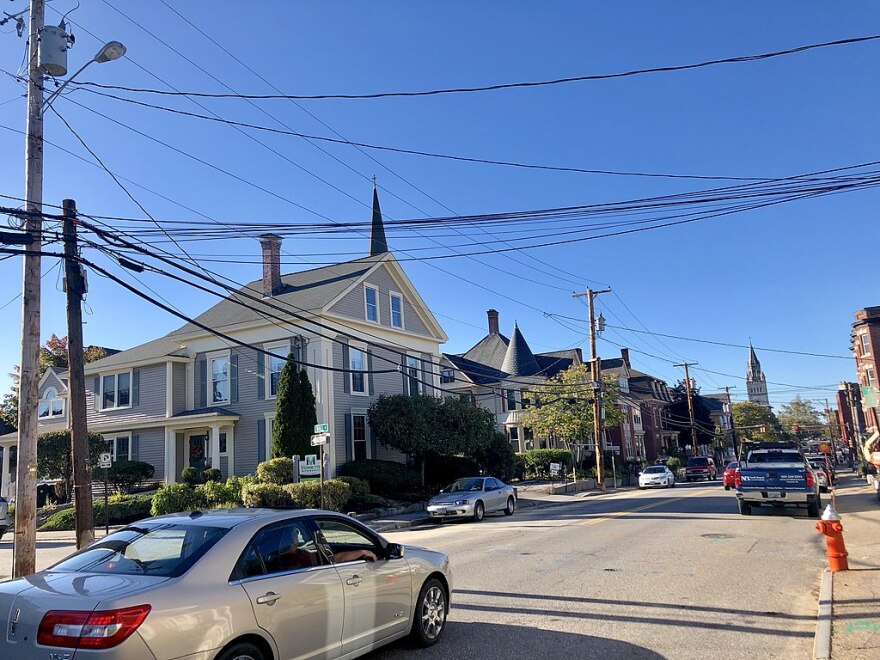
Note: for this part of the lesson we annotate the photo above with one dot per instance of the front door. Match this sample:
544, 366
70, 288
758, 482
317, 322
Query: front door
378, 594
197, 446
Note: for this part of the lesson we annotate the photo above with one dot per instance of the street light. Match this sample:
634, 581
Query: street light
110, 51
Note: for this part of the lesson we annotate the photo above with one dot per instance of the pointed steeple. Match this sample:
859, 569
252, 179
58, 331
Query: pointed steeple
378, 242
754, 371
519, 359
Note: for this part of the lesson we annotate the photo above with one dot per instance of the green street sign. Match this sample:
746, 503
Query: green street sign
322, 428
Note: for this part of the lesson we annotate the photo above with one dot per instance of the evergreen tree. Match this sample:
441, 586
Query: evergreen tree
304, 424
287, 404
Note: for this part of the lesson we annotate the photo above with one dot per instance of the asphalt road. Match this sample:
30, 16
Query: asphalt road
673, 573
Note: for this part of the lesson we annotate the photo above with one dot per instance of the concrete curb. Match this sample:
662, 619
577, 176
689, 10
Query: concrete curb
822, 641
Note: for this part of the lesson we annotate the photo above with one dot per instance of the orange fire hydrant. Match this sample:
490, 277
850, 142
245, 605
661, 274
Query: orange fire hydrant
835, 550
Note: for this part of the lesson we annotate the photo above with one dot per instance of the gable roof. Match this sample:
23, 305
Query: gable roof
489, 351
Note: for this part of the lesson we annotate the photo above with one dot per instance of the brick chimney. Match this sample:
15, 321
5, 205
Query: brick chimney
624, 353
492, 315
271, 244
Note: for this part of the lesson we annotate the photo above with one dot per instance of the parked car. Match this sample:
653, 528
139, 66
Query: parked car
5, 523
228, 584
823, 473
777, 474
700, 467
473, 497
728, 478
656, 476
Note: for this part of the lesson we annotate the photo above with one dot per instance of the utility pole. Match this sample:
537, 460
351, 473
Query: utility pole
687, 385
597, 385
727, 389
79, 434
831, 431
24, 562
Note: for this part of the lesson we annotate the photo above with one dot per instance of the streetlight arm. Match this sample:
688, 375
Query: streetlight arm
57, 92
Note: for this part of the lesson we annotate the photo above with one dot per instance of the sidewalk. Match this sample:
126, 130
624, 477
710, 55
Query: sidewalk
855, 627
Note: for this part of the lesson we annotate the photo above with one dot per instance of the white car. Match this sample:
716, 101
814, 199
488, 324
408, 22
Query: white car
656, 476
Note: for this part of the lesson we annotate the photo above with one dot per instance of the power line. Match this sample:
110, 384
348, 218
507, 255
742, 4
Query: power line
513, 85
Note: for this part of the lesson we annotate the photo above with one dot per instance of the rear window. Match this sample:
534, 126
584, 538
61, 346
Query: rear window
698, 461
162, 550
776, 457
732, 465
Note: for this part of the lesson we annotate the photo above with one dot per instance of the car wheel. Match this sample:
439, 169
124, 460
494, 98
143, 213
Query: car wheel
479, 511
242, 651
745, 508
641, 488
429, 619
511, 507
673, 483
727, 487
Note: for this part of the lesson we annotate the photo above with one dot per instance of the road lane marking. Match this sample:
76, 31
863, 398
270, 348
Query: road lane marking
620, 514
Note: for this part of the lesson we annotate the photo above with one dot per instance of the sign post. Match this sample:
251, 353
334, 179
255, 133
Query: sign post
296, 468
319, 439
104, 462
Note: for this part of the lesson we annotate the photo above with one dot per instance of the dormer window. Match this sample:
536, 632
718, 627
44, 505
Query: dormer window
50, 405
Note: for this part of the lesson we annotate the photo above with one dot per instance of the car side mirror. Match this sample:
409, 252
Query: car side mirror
395, 551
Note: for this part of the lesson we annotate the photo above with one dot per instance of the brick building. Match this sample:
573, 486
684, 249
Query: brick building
865, 345
850, 417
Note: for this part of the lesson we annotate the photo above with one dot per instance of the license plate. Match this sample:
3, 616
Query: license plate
773, 493
442, 512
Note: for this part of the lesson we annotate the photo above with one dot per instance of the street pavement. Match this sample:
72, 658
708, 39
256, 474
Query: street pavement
674, 573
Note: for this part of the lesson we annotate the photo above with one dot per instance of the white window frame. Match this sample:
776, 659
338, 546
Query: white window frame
49, 401
863, 338
366, 440
420, 386
278, 349
870, 376
375, 290
447, 375
363, 350
209, 382
115, 375
391, 296
270, 422
113, 440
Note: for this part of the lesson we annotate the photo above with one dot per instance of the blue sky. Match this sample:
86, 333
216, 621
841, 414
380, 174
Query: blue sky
787, 277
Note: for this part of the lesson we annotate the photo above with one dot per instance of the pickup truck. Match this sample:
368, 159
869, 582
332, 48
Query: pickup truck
778, 476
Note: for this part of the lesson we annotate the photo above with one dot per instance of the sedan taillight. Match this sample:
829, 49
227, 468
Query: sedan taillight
90, 630
737, 478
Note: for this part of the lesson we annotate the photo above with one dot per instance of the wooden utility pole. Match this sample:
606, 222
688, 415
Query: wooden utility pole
727, 389
687, 385
25, 537
79, 433
596, 371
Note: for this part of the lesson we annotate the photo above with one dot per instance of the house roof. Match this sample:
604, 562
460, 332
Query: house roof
489, 351
480, 374
215, 411
519, 359
157, 348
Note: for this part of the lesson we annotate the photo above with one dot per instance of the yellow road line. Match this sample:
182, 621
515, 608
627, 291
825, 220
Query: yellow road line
620, 514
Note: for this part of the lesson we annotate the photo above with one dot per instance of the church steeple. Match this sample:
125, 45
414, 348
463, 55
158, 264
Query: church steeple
378, 242
756, 382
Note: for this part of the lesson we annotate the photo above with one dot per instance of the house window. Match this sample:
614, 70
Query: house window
514, 433
358, 365
120, 447
866, 348
870, 377
219, 380
50, 405
371, 296
637, 419
396, 310
359, 445
116, 391
447, 376
511, 399
222, 442
274, 364
412, 375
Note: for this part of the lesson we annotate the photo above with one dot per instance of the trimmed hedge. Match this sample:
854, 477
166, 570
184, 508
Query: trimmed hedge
386, 478
305, 495
211, 474
122, 511
264, 495
276, 471
175, 497
359, 487
125, 475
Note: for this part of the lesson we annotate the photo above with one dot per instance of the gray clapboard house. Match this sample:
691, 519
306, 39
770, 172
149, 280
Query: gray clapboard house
192, 399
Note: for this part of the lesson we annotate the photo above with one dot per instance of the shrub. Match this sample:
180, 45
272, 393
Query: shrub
673, 464
235, 484
211, 474
359, 487
264, 495
443, 470
172, 498
362, 503
497, 458
125, 475
307, 494
519, 466
386, 478
276, 471
213, 493
537, 461
189, 476
121, 511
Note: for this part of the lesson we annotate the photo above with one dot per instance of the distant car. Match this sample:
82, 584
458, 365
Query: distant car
729, 476
823, 474
473, 497
4, 516
656, 476
700, 467
240, 584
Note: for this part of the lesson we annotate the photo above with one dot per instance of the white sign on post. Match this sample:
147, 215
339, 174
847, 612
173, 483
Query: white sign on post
555, 468
105, 460
310, 466
319, 439
322, 428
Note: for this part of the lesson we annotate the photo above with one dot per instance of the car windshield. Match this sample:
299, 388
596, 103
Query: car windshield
698, 462
166, 550
776, 457
466, 484
656, 469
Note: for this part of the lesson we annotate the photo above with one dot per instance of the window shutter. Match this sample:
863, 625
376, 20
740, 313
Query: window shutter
97, 392
261, 375
203, 383
372, 388
261, 440
135, 447
373, 440
346, 376
348, 447
233, 377
136, 387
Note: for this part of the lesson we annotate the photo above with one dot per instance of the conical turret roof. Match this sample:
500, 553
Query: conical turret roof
519, 359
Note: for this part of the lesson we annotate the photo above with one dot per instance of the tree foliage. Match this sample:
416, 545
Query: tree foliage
54, 456
748, 413
562, 406
802, 413
295, 415
679, 417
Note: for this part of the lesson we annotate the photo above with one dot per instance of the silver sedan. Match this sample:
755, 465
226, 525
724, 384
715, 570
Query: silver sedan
236, 584
473, 497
